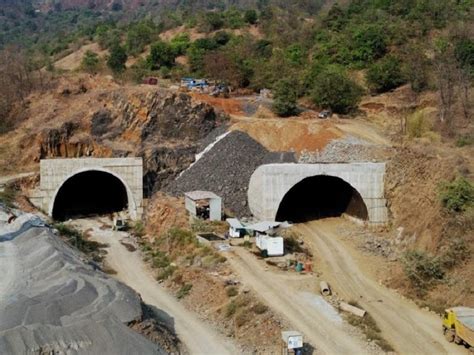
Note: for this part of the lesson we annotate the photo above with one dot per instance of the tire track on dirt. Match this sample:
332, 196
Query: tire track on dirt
409, 329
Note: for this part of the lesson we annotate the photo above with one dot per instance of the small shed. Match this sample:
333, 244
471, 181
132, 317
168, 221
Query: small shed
236, 228
203, 205
266, 236
150, 80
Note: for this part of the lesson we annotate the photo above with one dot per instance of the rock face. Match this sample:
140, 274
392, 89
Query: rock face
226, 170
51, 301
163, 127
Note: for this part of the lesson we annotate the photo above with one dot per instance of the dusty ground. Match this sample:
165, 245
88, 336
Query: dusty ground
408, 328
199, 337
294, 297
73, 61
305, 135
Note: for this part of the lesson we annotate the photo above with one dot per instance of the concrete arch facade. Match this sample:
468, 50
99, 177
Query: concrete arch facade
270, 183
55, 172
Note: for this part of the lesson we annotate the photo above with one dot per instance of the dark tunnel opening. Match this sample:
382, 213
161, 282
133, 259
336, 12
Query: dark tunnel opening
90, 193
319, 197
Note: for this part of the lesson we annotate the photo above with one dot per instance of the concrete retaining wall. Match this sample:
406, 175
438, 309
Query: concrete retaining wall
55, 172
270, 183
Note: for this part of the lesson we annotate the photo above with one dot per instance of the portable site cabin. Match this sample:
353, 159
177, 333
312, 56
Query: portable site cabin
236, 228
203, 205
266, 237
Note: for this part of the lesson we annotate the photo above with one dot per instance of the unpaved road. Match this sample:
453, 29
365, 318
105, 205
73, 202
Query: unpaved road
326, 336
198, 337
11, 178
409, 329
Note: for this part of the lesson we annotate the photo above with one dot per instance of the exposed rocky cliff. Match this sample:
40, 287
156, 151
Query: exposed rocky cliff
84, 118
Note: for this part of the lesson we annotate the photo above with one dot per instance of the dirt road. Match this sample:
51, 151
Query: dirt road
320, 326
409, 329
198, 336
11, 178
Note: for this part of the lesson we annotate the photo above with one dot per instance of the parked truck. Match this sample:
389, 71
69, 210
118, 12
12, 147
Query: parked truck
458, 325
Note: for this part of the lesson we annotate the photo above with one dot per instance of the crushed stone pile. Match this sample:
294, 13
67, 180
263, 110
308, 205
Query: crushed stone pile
346, 150
226, 170
53, 302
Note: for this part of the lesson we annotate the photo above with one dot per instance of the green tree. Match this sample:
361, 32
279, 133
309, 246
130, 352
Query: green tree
251, 16
161, 55
180, 43
457, 196
464, 52
385, 75
213, 21
295, 54
90, 62
196, 58
285, 97
368, 43
221, 38
117, 59
234, 19
333, 89
109, 39
416, 67
138, 36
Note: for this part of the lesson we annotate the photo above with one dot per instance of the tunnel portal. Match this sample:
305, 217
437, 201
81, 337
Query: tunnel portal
90, 193
298, 192
319, 197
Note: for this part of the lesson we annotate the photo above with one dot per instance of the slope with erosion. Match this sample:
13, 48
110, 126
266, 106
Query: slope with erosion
424, 158
94, 116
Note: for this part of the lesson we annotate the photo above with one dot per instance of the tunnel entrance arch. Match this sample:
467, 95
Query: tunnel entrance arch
91, 192
321, 196
55, 172
270, 183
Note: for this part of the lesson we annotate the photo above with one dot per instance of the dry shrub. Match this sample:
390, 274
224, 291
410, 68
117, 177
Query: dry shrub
242, 317
418, 124
259, 308
232, 291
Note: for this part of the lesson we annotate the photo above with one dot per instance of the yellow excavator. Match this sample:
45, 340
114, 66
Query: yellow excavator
458, 326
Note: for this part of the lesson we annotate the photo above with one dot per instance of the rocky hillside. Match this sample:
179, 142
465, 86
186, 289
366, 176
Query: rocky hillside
85, 116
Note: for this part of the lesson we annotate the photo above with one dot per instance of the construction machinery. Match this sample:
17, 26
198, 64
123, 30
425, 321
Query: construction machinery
458, 325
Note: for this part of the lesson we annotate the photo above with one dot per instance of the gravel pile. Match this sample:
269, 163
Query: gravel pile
349, 149
51, 301
226, 170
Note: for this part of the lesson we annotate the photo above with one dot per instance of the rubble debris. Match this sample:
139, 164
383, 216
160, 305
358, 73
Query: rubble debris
325, 289
226, 169
351, 309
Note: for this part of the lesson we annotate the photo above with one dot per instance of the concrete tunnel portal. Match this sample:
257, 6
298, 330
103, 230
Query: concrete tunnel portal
89, 193
319, 197
304, 192
74, 187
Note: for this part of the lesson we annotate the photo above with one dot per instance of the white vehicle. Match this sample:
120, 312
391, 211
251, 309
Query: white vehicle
324, 114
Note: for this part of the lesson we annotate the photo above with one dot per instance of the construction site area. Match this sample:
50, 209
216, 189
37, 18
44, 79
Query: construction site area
208, 225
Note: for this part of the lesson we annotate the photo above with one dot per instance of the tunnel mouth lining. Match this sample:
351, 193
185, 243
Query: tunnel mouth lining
321, 196
90, 193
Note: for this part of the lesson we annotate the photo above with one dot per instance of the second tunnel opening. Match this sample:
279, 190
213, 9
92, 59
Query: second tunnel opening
319, 197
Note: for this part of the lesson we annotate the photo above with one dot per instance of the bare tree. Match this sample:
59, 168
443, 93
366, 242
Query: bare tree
18, 77
464, 82
446, 75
